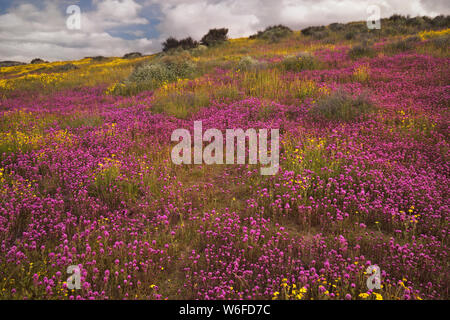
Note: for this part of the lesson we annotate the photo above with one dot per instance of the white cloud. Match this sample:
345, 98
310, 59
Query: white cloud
27, 32
196, 18
112, 13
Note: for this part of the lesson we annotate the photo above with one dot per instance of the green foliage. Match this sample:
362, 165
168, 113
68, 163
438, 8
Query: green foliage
247, 63
180, 104
402, 45
441, 43
185, 44
150, 76
299, 63
62, 68
341, 106
214, 37
273, 33
361, 50
309, 31
395, 25
199, 50
155, 71
110, 186
81, 121
132, 55
336, 26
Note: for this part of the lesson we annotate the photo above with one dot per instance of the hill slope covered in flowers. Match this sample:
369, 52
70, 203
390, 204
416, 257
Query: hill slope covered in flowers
86, 176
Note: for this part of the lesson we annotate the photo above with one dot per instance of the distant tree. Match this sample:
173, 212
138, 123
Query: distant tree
37, 61
396, 18
170, 43
186, 44
215, 36
132, 55
309, 31
273, 33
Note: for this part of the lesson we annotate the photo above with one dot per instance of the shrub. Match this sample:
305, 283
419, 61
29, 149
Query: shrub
215, 36
402, 45
350, 35
181, 103
415, 22
341, 106
64, 68
361, 50
298, 63
163, 72
441, 21
441, 43
186, 44
336, 26
273, 33
319, 35
180, 66
170, 43
132, 55
10, 64
397, 18
248, 63
362, 73
153, 75
37, 61
155, 71
311, 30
199, 50
98, 58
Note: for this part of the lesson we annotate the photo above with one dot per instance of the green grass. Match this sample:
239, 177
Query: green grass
341, 106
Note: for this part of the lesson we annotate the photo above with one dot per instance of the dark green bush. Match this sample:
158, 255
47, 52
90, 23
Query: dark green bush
441, 43
169, 44
132, 55
185, 44
214, 37
319, 35
37, 61
361, 50
397, 18
152, 75
273, 33
61, 68
311, 30
441, 21
336, 26
299, 63
341, 106
415, 22
350, 35
247, 63
402, 45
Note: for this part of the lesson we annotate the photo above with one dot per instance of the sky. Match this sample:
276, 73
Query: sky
39, 29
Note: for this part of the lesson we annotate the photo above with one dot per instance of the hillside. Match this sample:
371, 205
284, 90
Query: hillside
87, 178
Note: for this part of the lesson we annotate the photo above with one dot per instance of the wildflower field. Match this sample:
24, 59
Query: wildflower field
86, 176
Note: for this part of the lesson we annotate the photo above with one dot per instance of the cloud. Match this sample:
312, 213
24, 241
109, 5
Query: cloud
112, 13
27, 31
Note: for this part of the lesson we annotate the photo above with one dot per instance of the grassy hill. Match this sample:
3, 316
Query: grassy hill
86, 176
